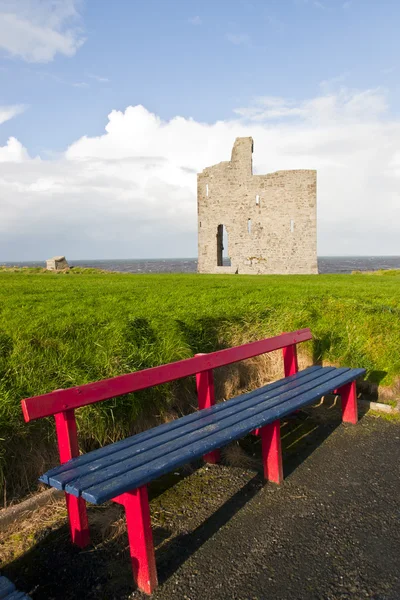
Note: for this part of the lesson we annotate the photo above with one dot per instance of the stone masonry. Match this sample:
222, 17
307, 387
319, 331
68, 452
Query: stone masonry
57, 263
270, 219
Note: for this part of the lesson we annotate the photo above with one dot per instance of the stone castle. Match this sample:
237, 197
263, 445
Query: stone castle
270, 220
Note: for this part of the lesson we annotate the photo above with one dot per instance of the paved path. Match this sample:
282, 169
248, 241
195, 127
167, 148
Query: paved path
331, 531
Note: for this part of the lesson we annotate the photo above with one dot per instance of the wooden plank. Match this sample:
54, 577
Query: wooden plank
209, 426
172, 426
61, 400
217, 437
6, 587
101, 459
98, 494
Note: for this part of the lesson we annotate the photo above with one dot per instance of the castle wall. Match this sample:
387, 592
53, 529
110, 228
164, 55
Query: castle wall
270, 219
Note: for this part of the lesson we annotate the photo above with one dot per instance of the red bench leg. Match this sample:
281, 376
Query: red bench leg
272, 452
140, 537
78, 520
68, 448
348, 395
206, 399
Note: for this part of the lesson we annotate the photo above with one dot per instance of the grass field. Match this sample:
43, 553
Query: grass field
59, 330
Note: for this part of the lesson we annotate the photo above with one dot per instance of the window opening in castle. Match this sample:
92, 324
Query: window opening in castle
222, 246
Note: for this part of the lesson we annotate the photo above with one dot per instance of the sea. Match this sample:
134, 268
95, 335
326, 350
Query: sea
326, 264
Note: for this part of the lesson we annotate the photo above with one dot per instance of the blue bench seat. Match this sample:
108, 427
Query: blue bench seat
110, 471
8, 591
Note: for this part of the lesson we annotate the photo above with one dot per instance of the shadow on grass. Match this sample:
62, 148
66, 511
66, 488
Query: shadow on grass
368, 387
322, 344
54, 569
202, 335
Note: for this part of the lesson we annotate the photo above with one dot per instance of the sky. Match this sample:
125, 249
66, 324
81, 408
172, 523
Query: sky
108, 109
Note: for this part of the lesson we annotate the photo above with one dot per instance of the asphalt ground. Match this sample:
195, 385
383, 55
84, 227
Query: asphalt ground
331, 531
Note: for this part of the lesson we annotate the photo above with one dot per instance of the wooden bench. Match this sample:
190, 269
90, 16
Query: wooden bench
121, 471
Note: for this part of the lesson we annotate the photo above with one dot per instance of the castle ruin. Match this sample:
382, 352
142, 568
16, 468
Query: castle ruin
270, 220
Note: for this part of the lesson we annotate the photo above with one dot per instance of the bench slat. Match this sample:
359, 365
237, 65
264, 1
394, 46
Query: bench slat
6, 587
217, 430
114, 453
211, 425
209, 421
161, 466
151, 434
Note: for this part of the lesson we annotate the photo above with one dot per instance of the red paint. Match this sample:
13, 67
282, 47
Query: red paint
290, 364
140, 537
272, 452
62, 400
348, 395
67, 435
67, 438
206, 398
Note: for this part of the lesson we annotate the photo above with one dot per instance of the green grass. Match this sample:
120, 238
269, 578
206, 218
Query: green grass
60, 330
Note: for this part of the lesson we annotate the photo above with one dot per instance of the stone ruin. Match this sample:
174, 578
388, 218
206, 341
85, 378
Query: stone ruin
57, 263
270, 220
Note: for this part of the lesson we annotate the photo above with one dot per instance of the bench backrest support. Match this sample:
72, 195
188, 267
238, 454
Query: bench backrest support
62, 403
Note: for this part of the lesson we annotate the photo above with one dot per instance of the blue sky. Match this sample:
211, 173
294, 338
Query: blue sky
314, 82
197, 59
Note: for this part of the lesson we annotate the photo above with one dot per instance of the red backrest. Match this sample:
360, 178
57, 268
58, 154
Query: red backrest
71, 398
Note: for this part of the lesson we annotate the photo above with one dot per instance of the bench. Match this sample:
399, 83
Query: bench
121, 471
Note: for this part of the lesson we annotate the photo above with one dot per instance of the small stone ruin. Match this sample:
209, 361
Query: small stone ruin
57, 263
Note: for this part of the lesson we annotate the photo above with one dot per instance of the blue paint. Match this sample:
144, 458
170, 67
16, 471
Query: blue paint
156, 431
8, 591
6, 587
105, 473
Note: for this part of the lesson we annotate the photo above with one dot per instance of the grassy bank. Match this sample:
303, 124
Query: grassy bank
67, 329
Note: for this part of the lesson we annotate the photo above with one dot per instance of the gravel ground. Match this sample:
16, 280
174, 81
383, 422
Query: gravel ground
331, 531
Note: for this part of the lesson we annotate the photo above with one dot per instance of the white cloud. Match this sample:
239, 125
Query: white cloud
36, 30
54, 77
99, 78
332, 84
9, 112
344, 104
132, 191
196, 20
388, 70
238, 38
12, 152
